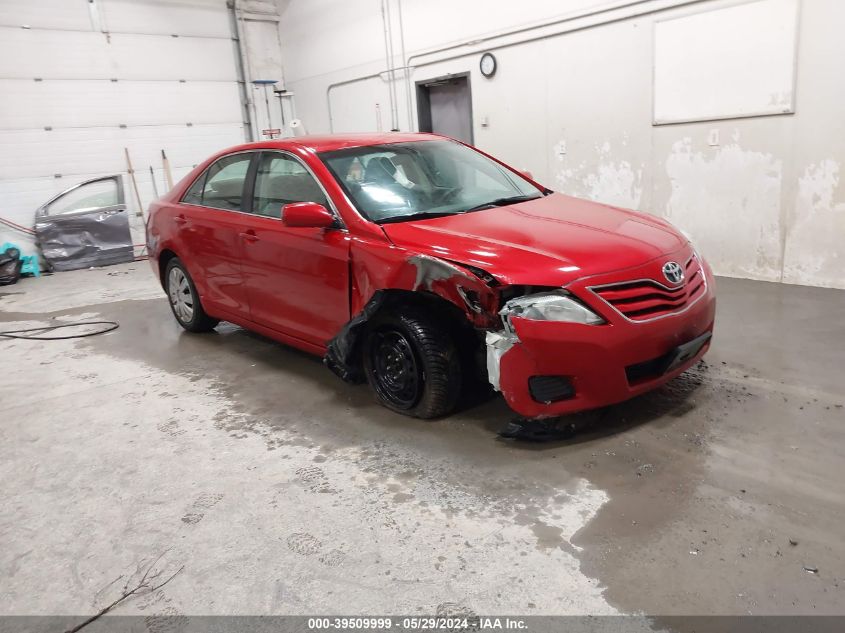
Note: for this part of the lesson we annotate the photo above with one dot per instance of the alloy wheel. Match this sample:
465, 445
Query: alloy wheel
181, 296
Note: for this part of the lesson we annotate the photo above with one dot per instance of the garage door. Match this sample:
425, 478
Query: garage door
80, 81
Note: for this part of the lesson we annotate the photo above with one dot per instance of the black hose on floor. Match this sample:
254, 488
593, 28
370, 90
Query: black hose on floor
23, 334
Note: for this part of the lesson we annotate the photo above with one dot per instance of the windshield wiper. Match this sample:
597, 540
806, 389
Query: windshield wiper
416, 216
501, 202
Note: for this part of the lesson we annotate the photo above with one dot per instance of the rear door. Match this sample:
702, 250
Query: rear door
297, 278
210, 219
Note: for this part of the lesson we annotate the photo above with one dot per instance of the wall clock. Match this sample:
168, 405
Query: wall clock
487, 65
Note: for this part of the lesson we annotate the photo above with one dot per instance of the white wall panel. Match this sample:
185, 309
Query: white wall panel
208, 18
361, 107
179, 94
55, 14
28, 54
762, 197
67, 103
814, 250
750, 73
40, 153
262, 45
146, 57
355, 28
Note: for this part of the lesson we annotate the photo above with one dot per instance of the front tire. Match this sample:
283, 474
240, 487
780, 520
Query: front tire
412, 365
184, 299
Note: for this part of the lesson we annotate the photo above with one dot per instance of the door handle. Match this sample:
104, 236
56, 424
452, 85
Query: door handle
180, 219
249, 236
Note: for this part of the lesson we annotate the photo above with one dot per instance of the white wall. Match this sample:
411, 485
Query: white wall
258, 28
64, 118
573, 103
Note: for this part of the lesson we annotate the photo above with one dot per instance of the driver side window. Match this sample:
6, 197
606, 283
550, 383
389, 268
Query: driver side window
89, 196
281, 180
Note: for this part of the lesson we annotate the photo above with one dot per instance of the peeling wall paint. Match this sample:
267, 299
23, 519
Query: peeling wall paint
605, 178
576, 109
729, 201
815, 253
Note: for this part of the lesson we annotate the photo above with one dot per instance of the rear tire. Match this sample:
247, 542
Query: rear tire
412, 365
185, 300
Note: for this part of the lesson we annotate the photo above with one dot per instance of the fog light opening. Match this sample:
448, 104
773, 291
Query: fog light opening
548, 389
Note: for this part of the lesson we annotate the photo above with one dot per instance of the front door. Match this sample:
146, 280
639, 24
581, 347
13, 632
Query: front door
86, 225
297, 279
211, 219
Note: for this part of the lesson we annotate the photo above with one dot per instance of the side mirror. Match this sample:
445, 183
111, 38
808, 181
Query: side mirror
307, 215
526, 173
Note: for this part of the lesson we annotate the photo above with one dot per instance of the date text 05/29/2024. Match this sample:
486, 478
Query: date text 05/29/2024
416, 623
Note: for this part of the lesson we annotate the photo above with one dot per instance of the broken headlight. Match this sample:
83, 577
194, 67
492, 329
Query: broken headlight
557, 305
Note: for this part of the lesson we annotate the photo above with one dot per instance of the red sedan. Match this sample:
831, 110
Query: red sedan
420, 265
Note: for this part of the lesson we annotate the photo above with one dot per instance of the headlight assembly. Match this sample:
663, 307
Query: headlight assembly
557, 305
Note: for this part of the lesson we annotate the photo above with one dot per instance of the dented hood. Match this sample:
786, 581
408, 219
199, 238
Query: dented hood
550, 241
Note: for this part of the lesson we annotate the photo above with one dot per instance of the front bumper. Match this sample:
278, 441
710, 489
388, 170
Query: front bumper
604, 364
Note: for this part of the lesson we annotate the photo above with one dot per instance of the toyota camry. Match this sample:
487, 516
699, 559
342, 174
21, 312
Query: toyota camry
422, 265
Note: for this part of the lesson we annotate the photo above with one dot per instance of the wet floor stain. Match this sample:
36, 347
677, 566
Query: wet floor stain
695, 516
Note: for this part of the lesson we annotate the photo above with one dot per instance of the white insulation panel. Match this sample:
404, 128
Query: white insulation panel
54, 54
66, 151
83, 80
726, 63
83, 103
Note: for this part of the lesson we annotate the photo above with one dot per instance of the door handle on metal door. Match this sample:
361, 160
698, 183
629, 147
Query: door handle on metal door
180, 219
250, 236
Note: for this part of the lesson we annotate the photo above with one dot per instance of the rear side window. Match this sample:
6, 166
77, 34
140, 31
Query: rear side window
194, 194
282, 180
222, 184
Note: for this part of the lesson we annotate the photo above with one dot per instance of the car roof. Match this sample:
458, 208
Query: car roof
330, 142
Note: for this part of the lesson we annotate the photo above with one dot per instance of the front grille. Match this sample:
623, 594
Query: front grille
646, 299
550, 388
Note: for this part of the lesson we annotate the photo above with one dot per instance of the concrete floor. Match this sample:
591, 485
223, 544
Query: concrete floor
281, 489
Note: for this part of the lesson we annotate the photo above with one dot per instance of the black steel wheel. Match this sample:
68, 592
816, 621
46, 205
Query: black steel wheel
412, 365
396, 375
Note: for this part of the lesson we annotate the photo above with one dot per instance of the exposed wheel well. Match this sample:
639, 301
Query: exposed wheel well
345, 354
163, 259
449, 313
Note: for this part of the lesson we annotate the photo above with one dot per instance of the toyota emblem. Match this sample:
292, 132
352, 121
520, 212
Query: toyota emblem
673, 272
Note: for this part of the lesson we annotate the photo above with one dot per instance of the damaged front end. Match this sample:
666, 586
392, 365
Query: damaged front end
342, 351
498, 344
488, 321
460, 296
552, 305
533, 307
482, 315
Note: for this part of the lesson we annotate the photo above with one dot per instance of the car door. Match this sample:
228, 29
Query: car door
86, 225
297, 278
210, 219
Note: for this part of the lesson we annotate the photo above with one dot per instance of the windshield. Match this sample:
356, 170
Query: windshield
404, 181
